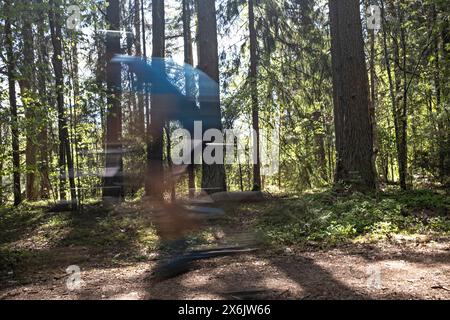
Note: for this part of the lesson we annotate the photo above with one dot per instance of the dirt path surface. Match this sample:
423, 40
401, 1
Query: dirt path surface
400, 271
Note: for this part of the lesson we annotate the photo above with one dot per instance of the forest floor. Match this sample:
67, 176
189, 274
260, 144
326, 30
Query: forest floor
314, 246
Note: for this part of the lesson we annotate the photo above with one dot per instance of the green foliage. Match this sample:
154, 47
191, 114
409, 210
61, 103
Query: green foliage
326, 219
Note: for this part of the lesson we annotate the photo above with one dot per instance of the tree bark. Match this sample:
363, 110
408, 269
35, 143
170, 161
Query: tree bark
319, 139
373, 99
113, 180
144, 53
354, 139
64, 145
132, 104
398, 106
393, 88
44, 103
11, 64
171, 181
76, 106
254, 96
213, 175
189, 59
28, 94
403, 147
154, 185
140, 116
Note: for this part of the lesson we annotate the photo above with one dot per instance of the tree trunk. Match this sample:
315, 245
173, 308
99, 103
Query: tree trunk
171, 181
319, 140
393, 89
44, 103
213, 175
76, 106
11, 64
27, 86
354, 140
131, 104
154, 185
254, 96
140, 117
403, 151
57, 67
396, 97
373, 98
113, 180
189, 59
144, 53
64, 145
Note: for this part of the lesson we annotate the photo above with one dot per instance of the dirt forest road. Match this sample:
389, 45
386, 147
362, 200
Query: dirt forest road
400, 271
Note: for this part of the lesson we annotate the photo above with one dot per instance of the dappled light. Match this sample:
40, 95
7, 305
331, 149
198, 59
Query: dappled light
224, 150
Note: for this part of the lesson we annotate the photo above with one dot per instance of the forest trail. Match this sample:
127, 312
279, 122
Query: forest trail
117, 251
389, 271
